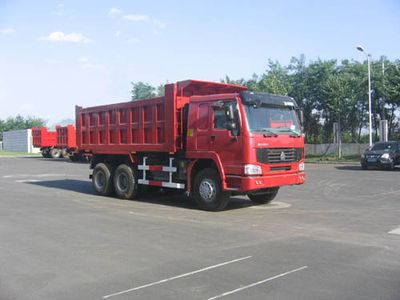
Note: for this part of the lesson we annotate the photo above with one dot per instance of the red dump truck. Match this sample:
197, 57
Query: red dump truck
46, 141
211, 140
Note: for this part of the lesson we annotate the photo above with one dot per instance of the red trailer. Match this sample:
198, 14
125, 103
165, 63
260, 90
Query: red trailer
211, 140
46, 141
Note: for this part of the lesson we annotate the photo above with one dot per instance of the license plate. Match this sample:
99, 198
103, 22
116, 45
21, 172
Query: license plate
372, 159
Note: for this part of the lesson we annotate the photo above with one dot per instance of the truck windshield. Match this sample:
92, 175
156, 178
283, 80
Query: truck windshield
272, 119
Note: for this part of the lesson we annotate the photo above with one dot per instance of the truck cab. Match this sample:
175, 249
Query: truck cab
255, 141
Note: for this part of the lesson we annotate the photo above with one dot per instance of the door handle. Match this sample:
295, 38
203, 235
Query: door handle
212, 137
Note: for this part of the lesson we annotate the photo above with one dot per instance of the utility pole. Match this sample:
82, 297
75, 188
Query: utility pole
361, 48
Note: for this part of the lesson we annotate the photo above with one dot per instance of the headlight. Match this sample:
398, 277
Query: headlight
301, 166
250, 169
385, 156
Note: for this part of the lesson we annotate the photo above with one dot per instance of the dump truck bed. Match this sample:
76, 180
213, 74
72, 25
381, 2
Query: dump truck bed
151, 125
66, 136
43, 138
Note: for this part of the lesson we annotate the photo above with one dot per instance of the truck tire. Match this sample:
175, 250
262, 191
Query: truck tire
125, 182
64, 153
45, 154
55, 153
264, 197
102, 179
207, 191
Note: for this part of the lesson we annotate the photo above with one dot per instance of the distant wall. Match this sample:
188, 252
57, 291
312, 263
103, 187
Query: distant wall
19, 140
347, 149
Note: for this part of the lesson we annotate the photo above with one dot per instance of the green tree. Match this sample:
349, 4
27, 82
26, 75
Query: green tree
141, 90
20, 122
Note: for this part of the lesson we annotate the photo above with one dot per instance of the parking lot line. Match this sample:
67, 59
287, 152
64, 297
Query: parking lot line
257, 283
176, 277
395, 231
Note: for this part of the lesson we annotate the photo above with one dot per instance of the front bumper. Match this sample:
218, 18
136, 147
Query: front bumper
249, 183
379, 163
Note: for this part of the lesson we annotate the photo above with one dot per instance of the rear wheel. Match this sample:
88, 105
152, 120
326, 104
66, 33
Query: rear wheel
102, 179
125, 182
265, 196
207, 190
55, 153
45, 153
64, 153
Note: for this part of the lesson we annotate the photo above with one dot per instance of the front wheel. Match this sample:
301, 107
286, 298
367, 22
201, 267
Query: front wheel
265, 196
125, 182
207, 191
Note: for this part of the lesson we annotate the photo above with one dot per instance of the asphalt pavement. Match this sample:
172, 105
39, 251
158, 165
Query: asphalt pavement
335, 237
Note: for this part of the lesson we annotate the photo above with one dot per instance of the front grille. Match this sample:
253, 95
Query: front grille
278, 155
284, 168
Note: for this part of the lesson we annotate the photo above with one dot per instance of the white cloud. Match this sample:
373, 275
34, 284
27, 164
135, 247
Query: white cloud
114, 12
7, 31
137, 18
117, 33
133, 40
60, 10
83, 59
58, 36
158, 26
93, 66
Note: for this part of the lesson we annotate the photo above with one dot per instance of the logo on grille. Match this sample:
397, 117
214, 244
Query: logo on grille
283, 156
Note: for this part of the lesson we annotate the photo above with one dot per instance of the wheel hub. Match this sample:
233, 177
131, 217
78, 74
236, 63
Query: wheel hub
123, 182
207, 190
100, 179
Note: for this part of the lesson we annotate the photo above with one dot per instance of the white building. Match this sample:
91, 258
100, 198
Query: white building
19, 140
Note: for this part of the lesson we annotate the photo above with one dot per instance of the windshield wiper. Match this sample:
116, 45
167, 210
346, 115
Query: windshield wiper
267, 133
294, 133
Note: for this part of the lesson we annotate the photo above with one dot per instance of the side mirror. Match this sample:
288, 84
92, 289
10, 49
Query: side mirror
230, 120
217, 104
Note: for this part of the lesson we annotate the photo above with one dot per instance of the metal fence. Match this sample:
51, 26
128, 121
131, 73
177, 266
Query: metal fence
331, 149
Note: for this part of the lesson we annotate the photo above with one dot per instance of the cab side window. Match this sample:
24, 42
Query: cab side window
222, 118
219, 119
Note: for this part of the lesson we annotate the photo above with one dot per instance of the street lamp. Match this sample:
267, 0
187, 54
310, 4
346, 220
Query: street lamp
361, 48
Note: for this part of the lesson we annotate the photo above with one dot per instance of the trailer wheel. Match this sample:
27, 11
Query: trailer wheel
55, 153
64, 153
125, 182
45, 153
265, 196
102, 179
207, 191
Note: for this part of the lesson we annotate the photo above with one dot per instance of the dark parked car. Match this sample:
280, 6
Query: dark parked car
382, 154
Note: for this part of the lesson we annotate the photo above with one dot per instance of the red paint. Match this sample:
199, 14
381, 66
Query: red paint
66, 136
43, 138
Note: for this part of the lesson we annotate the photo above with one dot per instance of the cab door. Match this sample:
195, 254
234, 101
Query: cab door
223, 139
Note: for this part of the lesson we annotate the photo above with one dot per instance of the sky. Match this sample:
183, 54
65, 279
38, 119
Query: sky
58, 54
